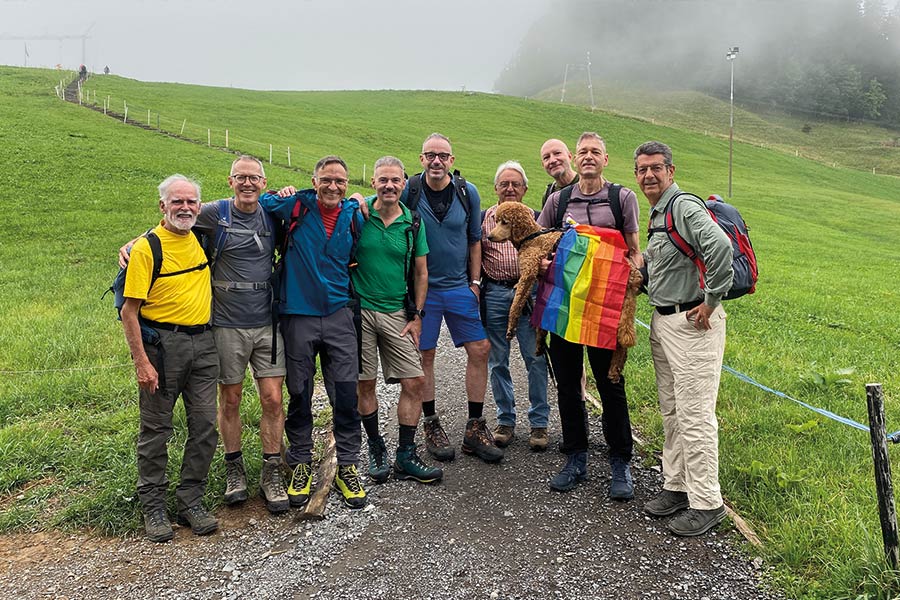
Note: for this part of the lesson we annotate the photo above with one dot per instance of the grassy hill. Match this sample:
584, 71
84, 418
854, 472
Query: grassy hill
80, 183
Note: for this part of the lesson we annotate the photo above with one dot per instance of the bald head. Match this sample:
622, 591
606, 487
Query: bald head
557, 161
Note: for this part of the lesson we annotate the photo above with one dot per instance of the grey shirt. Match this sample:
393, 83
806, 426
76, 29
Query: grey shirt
241, 273
593, 209
673, 277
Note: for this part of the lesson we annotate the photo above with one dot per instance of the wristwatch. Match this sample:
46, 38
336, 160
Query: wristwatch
476, 282
421, 313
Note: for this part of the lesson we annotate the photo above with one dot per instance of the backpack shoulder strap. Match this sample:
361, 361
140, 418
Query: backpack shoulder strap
615, 205
462, 190
413, 189
223, 224
156, 253
565, 195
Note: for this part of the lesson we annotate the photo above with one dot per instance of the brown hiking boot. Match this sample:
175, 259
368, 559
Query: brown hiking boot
538, 440
436, 441
480, 442
504, 435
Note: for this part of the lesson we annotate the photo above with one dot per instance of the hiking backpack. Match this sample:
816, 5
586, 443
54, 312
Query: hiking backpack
414, 187
615, 205
729, 219
412, 233
213, 245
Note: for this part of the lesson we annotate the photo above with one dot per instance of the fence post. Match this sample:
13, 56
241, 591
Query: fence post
364, 173
148, 117
289, 156
208, 138
183, 123
125, 118
226, 138
270, 154
887, 511
157, 122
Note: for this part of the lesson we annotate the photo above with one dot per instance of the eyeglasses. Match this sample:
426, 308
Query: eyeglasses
327, 181
502, 185
246, 178
444, 156
655, 169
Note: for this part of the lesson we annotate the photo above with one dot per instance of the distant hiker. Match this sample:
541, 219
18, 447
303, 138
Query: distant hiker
687, 338
500, 273
557, 162
106, 70
391, 280
593, 200
166, 323
317, 318
82, 72
450, 207
241, 240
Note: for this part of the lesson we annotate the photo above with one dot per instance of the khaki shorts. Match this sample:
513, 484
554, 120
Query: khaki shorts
239, 347
400, 358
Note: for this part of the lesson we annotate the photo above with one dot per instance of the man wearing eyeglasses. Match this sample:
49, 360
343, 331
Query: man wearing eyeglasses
454, 286
500, 273
317, 320
557, 162
590, 204
687, 339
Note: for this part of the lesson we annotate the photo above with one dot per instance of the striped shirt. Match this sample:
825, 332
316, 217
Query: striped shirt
499, 260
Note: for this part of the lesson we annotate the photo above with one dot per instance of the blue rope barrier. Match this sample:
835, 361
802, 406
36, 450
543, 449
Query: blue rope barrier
893, 437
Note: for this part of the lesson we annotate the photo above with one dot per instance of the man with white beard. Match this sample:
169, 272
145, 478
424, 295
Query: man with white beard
166, 321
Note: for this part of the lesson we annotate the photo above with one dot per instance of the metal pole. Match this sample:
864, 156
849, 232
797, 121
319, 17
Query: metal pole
731, 128
887, 510
565, 80
590, 83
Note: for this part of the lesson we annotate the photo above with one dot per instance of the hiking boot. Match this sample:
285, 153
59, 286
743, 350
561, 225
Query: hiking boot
504, 435
379, 463
301, 482
621, 487
409, 466
157, 525
236, 478
200, 521
436, 441
347, 482
271, 486
575, 470
666, 503
538, 440
693, 521
479, 441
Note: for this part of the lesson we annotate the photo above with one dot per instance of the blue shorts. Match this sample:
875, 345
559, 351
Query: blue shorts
459, 308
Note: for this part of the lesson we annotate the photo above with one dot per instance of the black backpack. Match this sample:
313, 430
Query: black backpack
615, 205
414, 187
412, 233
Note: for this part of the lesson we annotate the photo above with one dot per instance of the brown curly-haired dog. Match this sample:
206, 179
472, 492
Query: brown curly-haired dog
515, 222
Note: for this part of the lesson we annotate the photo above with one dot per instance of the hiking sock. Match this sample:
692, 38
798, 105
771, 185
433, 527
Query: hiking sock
233, 455
267, 456
370, 424
476, 409
428, 408
407, 435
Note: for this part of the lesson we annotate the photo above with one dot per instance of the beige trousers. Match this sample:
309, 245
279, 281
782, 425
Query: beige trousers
688, 364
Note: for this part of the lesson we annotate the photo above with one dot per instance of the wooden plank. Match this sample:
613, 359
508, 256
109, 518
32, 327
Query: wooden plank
887, 510
315, 508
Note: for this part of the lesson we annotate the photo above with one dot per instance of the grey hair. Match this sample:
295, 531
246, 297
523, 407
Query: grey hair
511, 165
171, 180
439, 136
329, 160
653, 147
591, 134
248, 158
388, 161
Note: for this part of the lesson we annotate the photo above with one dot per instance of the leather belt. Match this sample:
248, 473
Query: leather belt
188, 329
677, 308
507, 283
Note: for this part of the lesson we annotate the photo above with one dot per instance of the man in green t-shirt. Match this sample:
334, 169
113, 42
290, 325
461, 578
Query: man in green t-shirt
389, 247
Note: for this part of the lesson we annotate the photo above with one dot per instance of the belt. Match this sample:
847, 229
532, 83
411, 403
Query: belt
188, 329
508, 283
677, 308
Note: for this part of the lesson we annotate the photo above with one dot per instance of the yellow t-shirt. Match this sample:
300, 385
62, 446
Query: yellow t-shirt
184, 299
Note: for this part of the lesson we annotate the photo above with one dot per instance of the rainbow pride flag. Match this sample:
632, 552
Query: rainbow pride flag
580, 298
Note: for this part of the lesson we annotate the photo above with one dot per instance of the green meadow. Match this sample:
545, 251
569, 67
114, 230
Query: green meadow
821, 325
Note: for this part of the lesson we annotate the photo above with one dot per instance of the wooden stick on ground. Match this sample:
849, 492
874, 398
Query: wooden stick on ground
315, 508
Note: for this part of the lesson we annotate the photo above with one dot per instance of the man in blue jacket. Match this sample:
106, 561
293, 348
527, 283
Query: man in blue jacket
450, 215
316, 319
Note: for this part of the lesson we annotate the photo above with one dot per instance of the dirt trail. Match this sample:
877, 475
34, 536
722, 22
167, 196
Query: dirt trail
487, 531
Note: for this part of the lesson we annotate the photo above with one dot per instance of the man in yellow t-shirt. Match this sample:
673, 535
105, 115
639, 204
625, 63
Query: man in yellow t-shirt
166, 322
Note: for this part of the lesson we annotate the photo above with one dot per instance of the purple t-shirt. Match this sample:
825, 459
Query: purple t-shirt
593, 209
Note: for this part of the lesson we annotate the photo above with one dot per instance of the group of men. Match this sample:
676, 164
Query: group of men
360, 279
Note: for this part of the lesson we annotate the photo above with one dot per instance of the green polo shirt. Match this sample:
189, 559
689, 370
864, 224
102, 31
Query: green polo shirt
382, 257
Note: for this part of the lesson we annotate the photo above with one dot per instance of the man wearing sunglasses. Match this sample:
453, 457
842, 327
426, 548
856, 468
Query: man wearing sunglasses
453, 230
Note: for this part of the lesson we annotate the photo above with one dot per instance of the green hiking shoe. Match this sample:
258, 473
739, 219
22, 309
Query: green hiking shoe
157, 525
379, 463
409, 466
200, 521
347, 481
301, 482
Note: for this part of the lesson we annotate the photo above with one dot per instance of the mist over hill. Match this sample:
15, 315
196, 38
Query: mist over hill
833, 57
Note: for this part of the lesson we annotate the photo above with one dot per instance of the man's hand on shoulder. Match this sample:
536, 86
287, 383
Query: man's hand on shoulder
286, 191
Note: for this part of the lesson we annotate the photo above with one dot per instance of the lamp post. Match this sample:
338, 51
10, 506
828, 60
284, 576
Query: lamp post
730, 56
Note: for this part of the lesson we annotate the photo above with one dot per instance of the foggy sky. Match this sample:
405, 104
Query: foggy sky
277, 44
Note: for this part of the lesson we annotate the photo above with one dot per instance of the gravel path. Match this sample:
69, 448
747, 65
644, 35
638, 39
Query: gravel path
487, 531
